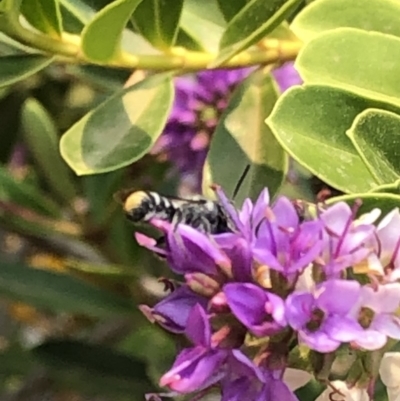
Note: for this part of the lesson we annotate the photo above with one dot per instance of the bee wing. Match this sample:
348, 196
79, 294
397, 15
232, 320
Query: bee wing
195, 199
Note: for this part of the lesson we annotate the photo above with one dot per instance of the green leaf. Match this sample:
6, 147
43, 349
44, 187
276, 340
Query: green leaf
121, 130
188, 42
158, 21
44, 15
384, 201
75, 15
201, 22
310, 122
10, 109
10, 6
108, 271
19, 67
243, 139
80, 10
94, 369
26, 195
105, 79
101, 38
310, 391
350, 58
231, 7
140, 343
42, 139
323, 15
59, 292
392, 188
99, 190
254, 21
283, 32
15, 361
376, 134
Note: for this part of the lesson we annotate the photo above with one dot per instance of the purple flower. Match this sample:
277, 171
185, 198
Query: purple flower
262, 312
199, 102
193, 251
385, 261
286, 76
173, 311
322, 318
197, 367
246, 381
344, 239
187, 250
376, 310
248, 219
283, 243
238, 245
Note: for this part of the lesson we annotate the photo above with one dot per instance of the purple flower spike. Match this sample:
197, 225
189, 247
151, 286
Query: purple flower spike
322, 319
199, 102
262, 312
344, 239
376, 311
197, 367
191, 251
173, 311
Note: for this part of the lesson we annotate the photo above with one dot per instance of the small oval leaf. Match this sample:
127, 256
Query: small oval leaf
243, 139
310, 122
158, 21
101, 38
350, 58
254, 21
376, 136
16, 68
41, 136
324, 15
121, 130
44, 15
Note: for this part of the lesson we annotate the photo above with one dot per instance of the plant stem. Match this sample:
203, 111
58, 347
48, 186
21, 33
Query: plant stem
69, 50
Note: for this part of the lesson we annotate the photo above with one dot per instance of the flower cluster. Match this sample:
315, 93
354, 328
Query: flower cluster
199, 102
281, 280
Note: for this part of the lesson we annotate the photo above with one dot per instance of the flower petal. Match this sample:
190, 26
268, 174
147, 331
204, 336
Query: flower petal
176, 307
390, 369
346, 293
318, 341
198, 328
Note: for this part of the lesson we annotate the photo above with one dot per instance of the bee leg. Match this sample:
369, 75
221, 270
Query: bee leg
205, 226
161, 242
177, 219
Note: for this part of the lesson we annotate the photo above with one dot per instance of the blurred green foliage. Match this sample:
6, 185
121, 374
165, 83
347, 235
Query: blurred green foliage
101, 73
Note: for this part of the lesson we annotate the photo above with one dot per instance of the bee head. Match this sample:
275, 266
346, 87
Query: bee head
135, 206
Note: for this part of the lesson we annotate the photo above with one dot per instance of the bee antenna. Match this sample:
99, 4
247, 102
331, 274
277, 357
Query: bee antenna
240, 182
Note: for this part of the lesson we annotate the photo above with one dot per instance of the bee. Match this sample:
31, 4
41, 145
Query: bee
200, 213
